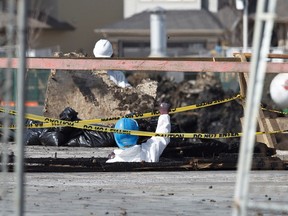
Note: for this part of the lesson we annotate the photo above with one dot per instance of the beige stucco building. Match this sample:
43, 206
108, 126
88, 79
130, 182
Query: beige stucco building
192, 25
82, 16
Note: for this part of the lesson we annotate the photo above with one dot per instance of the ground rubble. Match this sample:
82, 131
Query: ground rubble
185, 157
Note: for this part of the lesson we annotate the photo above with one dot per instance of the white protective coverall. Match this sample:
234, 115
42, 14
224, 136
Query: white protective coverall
118, 77
149, 151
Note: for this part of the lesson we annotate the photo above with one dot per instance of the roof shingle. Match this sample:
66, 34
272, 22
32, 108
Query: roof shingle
175, 20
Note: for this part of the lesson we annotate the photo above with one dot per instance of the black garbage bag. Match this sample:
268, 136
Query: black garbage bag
82, 137
69, 114
32, 134
53, 137
60, 136
91, 138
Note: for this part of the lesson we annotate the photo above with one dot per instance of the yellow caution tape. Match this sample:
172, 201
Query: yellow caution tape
275, 111
149, 134
57, 123
50, 122
267, 109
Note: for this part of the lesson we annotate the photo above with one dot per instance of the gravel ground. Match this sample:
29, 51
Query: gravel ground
141, 193
134, 193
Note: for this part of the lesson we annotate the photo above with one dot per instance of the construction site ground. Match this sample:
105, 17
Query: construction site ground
136, 193
143, 193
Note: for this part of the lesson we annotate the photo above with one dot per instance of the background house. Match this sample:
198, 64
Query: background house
84, 16
65, 25
189, 32
194, 28
198, 25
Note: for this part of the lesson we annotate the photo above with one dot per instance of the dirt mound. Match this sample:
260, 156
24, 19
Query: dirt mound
221, 118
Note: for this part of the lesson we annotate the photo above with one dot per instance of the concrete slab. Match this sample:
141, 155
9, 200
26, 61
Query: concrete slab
141, 193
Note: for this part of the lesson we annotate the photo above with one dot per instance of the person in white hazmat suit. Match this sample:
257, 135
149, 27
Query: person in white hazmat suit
279, 90
103, 49
149, 151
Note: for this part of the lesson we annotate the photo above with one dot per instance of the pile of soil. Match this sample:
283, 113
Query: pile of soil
205, 87
222, 118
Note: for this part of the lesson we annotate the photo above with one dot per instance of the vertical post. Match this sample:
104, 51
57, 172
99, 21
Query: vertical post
7, 91
158, 35
22, 34
261, 44
245, 26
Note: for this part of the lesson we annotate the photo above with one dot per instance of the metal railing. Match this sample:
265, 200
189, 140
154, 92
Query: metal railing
21, 38
261, 42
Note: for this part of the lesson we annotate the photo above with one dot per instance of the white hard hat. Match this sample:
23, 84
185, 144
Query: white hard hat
103, 48
279, 90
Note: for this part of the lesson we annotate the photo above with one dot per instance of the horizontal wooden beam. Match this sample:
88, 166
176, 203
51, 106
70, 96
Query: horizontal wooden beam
270, 55
148, 64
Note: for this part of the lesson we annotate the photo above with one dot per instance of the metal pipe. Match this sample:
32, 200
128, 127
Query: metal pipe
245, 26
7, 97
261, 44
22, 40
158, 35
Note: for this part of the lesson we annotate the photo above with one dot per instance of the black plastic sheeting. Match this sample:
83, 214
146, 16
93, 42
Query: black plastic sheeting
74, 137
68, 136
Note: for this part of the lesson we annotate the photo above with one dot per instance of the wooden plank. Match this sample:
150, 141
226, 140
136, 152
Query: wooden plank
282, 123
268, 139
148, 64
81, 159
222, 162
270, 55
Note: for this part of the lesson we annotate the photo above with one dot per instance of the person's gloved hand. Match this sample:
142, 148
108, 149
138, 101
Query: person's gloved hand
111, 155
164, 108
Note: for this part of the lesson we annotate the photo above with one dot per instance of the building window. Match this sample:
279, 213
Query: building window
174, 49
